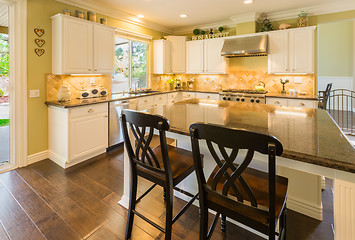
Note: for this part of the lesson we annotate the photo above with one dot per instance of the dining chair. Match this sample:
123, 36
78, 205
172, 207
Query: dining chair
252, 197
163, 165
324, 96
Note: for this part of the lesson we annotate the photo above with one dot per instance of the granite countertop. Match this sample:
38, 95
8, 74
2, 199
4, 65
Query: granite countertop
308, 135
286, 95
111, 98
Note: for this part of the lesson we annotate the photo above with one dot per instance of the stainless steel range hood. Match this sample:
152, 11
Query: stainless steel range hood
245, 46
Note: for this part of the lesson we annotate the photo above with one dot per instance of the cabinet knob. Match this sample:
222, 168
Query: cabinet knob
95, 70
302, 104
293, 69
89, 69
91, 110
286, 69
277, 102
208, 96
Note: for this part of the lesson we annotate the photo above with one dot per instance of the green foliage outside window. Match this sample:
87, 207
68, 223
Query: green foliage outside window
4, 54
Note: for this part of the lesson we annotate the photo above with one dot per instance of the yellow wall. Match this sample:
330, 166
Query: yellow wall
336, 44
38, 16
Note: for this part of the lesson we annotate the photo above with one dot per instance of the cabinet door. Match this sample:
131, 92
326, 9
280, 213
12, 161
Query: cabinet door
214, 62
161, 57
77, 46
301, 53
194, 56
277, 101
88, 135
278, 52
104, 49
178, 53
301, 103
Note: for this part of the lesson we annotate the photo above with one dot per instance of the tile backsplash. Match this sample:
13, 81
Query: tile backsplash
75, 83
239, 80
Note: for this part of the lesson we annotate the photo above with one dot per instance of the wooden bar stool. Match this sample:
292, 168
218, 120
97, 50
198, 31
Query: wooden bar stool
163, 165
254, 198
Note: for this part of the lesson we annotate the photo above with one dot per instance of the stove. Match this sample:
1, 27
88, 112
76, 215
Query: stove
243, 95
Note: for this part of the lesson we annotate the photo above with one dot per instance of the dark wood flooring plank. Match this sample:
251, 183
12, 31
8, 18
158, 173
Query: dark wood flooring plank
25, 231
103, 234
3, 234
49, 223
77, 218
11, 214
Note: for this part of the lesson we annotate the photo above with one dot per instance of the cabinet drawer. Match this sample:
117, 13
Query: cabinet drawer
171, 95
86, 111
160, 98
207, 96
276, 101
188, 95
301, 103
145, 101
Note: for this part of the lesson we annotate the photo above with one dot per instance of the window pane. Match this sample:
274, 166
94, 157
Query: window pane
139, 64
120, 81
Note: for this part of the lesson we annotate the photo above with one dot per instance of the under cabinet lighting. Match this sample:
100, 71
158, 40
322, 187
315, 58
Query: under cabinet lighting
248, 1
88, 74
183, 15
140, 16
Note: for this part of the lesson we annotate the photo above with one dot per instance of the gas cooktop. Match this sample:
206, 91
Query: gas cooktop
247, 91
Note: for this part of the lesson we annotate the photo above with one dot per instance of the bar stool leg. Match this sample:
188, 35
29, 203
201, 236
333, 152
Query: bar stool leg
203, 222
132, 205
169, 213
224, 223
164, 194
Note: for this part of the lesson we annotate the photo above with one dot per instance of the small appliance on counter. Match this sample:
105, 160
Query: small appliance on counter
63, 94
84, 93
94, 91
102, 91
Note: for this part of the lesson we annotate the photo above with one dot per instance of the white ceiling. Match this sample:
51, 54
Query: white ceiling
166, 12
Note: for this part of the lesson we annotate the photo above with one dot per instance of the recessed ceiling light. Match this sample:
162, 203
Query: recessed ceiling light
140, 16
248, 1
183, 15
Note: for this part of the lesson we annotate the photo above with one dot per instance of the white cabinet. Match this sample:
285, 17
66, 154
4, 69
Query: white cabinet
145, 103
81, 47
213, 96
188, 95
104, 45
162, 54
204, 56
177, 53
194, 57
77, 134
288, 102
291, 51
213, 61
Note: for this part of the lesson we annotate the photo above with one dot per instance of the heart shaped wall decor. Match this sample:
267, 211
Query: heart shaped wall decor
39, 31
40, 42
39, 51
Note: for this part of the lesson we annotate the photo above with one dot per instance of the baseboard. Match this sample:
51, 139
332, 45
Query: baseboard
37, 157
57, 159
305, 207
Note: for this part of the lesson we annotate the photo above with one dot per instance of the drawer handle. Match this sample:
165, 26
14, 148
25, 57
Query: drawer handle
145, 100
91, 110
208, 96
302, 104
277, 102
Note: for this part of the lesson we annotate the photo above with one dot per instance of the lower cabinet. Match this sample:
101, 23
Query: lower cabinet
77, 134
287, 102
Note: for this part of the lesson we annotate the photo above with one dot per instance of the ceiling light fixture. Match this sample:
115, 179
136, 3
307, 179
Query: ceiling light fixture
140, 16
183, 15
248, 1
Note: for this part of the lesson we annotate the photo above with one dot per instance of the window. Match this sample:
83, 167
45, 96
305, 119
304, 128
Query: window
130, 65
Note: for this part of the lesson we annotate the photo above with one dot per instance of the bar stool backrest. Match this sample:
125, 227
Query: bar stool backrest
142, 126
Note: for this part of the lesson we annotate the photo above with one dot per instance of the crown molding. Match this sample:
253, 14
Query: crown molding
340, 6
115, 13
189, 29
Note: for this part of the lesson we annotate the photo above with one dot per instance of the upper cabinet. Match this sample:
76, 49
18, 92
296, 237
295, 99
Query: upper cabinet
204, 56
81, 47
291, 51
169, 55
162, 55
178, 53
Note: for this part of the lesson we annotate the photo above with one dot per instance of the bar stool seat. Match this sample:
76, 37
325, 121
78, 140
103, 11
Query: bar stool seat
258, 182
181, 162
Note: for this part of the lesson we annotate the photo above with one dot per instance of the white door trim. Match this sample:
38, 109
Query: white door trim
18, 82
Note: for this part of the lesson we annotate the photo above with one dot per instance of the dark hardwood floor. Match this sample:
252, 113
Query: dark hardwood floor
44, 201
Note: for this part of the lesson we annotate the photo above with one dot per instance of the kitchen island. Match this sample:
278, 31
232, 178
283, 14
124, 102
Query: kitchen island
314, 146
